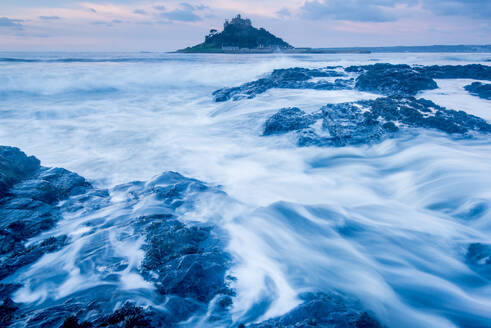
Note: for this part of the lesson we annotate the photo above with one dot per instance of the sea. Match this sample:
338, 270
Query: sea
387, 223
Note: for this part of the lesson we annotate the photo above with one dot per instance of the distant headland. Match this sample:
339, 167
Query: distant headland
240, 36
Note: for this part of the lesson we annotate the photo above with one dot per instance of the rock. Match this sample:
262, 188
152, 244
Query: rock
184, 261
392, 80
472, 71
386, 79
29, 196
7, 311
14, 167
24, 256
72, 322
371, 121
323, 310
291, 78
128, 316
479, 89
286, 120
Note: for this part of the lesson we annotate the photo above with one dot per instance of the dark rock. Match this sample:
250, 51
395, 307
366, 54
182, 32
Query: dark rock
22, 257
72, 322
323, 310
422, 113
370, 121
392, 80
14, 167
482, 90
286, 120
386, 79
184, 261
29, 196
129, 316
472, 71
7, 312
7, 289
291, 78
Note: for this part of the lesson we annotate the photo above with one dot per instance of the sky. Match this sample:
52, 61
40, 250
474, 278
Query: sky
146, 25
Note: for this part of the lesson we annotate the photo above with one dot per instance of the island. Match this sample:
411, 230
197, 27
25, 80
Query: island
239, 35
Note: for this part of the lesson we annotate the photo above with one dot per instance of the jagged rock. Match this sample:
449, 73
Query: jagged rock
386, 79
288, 119
392, 80
14, 167
186, 263
370, 121
472, 71
129, 316
291, 78
29, 194
22, 257
482, 90
323, 310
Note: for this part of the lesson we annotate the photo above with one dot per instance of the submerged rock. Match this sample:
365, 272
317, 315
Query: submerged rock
288, 119
370, 121
291, 78
482, 90
392, 80
323, 310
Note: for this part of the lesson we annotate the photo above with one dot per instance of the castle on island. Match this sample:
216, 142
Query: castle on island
237, 21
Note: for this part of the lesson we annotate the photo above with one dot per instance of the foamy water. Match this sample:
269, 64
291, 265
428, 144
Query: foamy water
388, 224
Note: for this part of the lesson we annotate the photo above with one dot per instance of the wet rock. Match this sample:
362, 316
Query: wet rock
184, 261
472, 71
422, 113
29, 196
129, 316
14, 167
286, 120
24, 256
481, 90
371, 121
323, 310
7, 311
72, 322
291, 78
391, 80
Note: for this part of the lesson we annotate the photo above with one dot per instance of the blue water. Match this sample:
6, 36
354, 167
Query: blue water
388, 223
